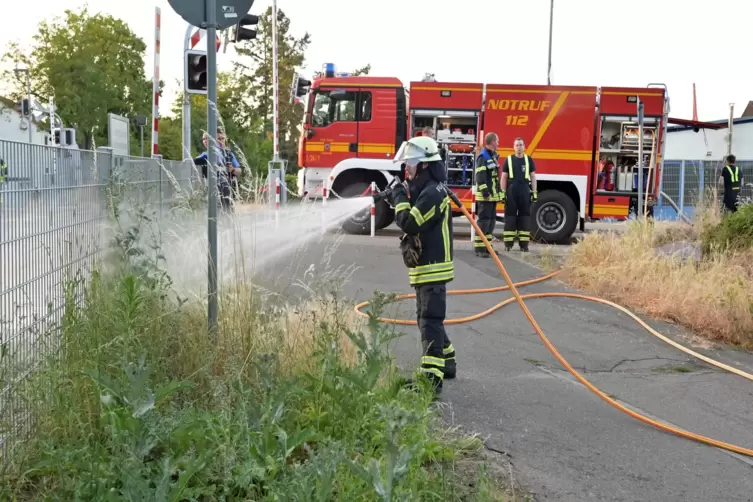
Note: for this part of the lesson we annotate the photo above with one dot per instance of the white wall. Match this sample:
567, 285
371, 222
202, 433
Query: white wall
10, 128
689, 145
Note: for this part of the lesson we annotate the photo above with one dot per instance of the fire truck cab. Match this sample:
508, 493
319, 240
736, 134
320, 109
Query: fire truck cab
583, 140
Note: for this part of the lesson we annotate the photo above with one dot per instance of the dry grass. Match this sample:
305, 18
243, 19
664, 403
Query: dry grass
713, 297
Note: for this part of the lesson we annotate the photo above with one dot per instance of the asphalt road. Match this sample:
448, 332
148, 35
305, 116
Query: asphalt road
565, 443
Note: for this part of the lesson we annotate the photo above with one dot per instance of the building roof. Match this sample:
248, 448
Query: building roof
717, 124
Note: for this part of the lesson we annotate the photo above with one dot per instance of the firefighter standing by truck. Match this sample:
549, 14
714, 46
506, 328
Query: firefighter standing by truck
488, 192
732, 179
518, 193
427, 248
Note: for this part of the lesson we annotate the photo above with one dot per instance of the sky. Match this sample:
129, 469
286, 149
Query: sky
494, 41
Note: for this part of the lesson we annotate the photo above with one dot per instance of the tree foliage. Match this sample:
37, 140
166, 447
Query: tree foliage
91, 65
94, 65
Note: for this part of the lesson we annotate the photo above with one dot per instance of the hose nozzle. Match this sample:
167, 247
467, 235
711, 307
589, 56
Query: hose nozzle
385, 194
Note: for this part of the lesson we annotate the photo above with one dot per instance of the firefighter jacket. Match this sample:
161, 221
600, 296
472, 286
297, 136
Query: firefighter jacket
429, 216
487, 176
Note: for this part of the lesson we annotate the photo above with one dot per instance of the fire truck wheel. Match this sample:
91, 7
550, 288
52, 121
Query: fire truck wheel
360, 223
554, 216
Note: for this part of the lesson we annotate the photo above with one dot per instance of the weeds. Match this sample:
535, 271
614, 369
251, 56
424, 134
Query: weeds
713, 296
295, 403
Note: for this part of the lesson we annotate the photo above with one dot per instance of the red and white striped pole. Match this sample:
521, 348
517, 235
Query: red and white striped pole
277, 199
155, 82
373, 208
277, 193
473, 212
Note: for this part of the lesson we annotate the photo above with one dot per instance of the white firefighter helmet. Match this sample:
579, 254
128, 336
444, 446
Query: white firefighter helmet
416, 150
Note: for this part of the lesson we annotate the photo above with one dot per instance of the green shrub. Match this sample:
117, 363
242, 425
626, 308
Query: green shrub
733, 233
144, 405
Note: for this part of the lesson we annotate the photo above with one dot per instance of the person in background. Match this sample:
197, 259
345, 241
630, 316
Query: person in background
225, 177
519, 179
488, 192
732, 180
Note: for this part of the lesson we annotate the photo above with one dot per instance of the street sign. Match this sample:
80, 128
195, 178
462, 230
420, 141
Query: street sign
227, 12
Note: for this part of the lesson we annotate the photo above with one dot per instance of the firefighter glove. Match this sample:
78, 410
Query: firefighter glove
410, 247
486, 193
502, 195
393, 194
534, 196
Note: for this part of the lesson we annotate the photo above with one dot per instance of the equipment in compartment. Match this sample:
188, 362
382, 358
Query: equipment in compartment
458, 139
619, 144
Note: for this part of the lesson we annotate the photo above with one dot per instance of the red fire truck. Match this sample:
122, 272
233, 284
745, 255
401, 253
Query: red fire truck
583, 139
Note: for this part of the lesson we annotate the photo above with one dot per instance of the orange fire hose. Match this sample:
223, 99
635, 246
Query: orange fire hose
513, 287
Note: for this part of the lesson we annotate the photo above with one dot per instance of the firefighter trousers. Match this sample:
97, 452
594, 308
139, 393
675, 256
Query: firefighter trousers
730, 202
517, 216
487, 220
438, 360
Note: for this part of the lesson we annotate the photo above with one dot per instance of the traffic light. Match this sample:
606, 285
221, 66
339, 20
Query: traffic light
195, 75
25, 108
239, 33
301, 86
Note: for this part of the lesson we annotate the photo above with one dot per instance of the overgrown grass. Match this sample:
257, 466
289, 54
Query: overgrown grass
713, 297
300, 402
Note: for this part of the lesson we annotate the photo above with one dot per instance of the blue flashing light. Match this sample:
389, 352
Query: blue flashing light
329, 70
343, 74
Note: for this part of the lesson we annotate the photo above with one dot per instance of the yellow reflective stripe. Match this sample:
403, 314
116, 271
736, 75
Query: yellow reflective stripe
481, 187
417, 215
446, 240
430, 213
510, 170
423, 279
402, 206
480, 168
439, 373
734, 176
433, 361
448, 350
431, 268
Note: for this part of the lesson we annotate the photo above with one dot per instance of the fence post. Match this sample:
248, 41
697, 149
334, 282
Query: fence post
681, 195
701, 182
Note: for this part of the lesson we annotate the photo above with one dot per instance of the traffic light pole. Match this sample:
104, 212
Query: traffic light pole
276, 85
187, 103
211, 27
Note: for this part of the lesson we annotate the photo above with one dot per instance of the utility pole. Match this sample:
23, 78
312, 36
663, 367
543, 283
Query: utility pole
551, 24
730, 125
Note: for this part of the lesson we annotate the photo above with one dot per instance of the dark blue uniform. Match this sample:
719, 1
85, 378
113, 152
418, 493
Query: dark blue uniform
488, 193
731, 176
428, 216
518, 201
226, 158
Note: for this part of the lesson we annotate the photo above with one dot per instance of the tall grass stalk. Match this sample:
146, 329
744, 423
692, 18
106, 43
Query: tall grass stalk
296, 400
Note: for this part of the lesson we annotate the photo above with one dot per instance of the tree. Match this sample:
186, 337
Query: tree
91, 65
253, 80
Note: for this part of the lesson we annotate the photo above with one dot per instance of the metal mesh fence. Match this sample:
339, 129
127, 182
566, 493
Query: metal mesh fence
686, 181
55, 207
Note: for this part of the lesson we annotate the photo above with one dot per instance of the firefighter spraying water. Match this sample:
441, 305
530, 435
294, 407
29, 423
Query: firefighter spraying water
427, 248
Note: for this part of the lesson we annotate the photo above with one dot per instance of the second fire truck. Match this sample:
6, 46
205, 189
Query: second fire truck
584, 141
